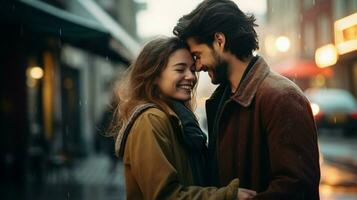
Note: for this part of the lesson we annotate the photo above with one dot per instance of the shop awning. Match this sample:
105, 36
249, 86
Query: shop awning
92, 35
298, 68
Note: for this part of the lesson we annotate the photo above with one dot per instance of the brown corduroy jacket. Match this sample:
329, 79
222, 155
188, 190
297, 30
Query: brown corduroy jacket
157, 166
266, 136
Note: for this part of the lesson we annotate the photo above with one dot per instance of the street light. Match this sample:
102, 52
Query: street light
282, 43
36, 72
326, 56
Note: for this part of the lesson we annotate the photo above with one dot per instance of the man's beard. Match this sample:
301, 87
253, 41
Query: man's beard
221, 70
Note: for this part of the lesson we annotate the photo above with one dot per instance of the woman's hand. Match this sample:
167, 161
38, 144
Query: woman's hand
245, 194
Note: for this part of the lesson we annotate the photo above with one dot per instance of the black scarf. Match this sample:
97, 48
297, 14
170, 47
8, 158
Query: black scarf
194, 141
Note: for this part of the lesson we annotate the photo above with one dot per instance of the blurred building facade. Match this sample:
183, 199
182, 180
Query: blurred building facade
293, 36
58, 59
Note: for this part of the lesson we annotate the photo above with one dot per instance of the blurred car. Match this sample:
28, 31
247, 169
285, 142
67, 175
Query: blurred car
334, 109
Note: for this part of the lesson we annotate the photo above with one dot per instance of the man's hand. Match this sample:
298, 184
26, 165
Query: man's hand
245, 194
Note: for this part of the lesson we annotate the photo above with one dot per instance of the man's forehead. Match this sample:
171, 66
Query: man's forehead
194, 45
191, 41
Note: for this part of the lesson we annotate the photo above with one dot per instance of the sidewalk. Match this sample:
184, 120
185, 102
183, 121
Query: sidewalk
339, 150
90, 179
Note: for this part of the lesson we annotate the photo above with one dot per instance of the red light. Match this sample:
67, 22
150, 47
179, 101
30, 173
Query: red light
319, 116
354, 115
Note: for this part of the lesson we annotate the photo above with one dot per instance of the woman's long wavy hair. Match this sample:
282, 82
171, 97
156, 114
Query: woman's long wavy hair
139, 83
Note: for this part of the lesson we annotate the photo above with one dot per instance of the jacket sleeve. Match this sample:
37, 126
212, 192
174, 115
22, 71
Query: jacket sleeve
151, 163
292, 147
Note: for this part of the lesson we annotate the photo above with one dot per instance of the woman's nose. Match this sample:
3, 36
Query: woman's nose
191, 75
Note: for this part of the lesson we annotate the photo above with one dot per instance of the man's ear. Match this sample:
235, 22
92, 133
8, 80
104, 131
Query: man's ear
220, 40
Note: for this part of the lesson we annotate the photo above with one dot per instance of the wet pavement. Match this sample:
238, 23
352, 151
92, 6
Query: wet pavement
96, 178
338, 167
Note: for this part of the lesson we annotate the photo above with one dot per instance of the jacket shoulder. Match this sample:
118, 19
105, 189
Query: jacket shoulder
152, 116
155, 112
277, 85
152, 120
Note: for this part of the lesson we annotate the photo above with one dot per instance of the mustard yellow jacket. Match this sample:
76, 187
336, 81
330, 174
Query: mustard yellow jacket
157, 165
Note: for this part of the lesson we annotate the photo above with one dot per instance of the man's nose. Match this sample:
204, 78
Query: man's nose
198, 66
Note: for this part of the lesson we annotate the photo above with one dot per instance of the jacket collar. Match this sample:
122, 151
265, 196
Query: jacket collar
249, 86
218, 92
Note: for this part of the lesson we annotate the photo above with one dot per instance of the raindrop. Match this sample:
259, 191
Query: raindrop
80, 103
334, 120
67, 195
299, 36
313, 2
60, 32
106, 58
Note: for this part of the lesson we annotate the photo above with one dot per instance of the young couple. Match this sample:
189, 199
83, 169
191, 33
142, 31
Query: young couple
262, 136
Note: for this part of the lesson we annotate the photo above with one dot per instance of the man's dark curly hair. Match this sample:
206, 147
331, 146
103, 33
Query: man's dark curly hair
214, 16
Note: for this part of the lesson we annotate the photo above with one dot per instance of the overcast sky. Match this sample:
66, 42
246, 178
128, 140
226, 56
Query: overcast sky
161, 15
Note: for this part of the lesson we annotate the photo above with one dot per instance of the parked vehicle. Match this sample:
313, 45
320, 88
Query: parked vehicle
334, 109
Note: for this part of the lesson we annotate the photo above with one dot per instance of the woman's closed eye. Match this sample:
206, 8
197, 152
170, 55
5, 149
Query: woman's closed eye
180, 69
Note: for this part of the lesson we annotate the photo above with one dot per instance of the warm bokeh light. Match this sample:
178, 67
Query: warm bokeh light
269, 45
326, 189
282, 43
36, 72
30, 82
315, 109
346, 34
326, 56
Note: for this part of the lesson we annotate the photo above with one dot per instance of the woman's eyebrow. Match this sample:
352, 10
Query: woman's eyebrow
180, 64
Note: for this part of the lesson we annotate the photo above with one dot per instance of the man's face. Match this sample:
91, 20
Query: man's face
207, 59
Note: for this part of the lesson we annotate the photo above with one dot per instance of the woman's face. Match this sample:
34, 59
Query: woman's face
178, 78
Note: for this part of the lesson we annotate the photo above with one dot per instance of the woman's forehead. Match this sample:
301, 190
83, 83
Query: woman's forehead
181, 55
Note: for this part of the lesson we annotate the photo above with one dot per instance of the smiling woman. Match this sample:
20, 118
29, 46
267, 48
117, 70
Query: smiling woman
178, 79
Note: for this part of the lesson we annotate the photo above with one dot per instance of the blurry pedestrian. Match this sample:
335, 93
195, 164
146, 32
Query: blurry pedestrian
261, 128
162, 146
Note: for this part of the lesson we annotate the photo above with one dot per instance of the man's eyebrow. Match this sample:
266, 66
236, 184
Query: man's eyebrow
195, 52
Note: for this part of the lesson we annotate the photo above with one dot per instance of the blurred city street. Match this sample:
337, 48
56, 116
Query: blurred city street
60, 61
